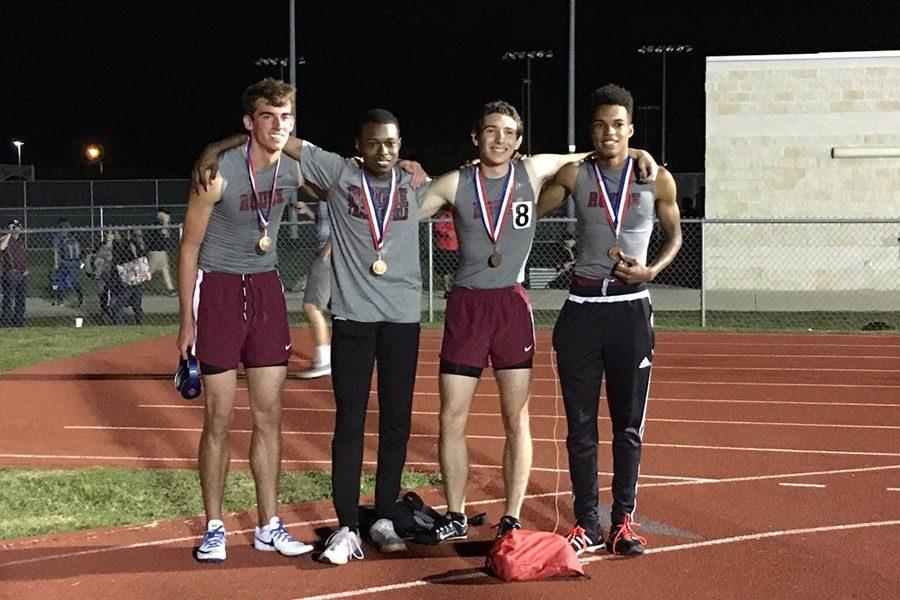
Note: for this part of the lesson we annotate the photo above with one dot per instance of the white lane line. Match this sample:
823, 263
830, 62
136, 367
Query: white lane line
478, 503
409, 463
428, 413
660, 351
674, 548
731, 383
757, 536
777, 424
730, 369
552, 397
802, 485
707, 344
501, 438
893, 489
149, 544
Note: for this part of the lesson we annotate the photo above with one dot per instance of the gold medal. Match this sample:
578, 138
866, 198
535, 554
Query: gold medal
265, 243
379, 267
615, 254
494, 260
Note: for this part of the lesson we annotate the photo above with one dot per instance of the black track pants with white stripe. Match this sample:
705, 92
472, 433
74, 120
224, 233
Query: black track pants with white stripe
591, 340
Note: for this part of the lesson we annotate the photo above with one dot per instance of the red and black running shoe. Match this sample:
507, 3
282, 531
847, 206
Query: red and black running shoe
623, 540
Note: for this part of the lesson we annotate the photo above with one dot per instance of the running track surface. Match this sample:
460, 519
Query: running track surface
771, 470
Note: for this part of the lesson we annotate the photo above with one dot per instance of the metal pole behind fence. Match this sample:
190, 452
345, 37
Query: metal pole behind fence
25, 206
702, 272
156, 192
430, 272
101, 218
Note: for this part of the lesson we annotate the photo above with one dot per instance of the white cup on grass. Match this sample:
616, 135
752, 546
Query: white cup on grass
79, 321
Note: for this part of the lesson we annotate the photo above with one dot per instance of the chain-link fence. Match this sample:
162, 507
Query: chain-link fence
775, 275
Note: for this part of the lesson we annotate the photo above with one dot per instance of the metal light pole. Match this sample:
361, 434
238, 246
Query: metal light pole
281, 62
644, 109
527, 56
664, 50
18, 146
570, 133
292, 45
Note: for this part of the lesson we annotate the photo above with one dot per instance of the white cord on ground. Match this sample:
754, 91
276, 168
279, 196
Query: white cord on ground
555, 439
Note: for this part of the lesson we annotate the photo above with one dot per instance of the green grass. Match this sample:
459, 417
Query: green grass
35, 501
38, 344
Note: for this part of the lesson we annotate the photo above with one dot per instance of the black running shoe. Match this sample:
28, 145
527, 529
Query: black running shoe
507, 524
447, 528
583, 540
623, 541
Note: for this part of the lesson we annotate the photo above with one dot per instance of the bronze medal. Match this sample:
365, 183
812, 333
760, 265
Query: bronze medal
379, 267
494, 260
615, 254
265, 243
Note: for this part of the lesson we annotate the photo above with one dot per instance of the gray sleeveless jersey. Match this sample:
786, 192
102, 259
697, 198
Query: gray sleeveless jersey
357, 294
233, 233
475, 247
595, 236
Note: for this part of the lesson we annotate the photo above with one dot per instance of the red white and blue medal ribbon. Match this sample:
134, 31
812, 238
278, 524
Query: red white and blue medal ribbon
615, 213
263, 216
493, 228
378, 224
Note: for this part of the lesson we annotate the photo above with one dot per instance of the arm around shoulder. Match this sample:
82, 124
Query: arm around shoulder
440, 194
543, 166
555, 191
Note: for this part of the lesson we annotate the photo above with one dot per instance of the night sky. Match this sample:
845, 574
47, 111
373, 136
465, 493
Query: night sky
154, 81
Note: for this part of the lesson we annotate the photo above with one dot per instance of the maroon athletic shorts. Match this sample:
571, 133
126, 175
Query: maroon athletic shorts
479, 324
241, 318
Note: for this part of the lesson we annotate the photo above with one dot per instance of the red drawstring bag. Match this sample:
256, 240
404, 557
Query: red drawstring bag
523, 555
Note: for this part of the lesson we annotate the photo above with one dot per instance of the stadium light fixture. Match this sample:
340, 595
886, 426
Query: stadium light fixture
527, 56
664, 50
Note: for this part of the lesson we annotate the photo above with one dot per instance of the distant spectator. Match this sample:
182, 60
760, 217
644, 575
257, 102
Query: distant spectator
98, 266
14, 266
446, 259
159, 243
67, 264
126, 247
317, 296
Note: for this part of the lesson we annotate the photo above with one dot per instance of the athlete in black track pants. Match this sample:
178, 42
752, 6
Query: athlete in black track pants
606, 324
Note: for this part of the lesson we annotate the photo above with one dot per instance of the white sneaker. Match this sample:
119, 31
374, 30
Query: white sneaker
317, 371
383, 535
275, 538
341, 547
212, 547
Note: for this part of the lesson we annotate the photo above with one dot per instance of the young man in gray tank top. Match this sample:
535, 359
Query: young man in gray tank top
606, 325
488, 318
233, 310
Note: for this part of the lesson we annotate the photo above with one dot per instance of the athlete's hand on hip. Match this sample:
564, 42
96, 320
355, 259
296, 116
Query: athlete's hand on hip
630, 270
419, 176
185, 339
205, 170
